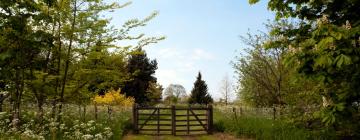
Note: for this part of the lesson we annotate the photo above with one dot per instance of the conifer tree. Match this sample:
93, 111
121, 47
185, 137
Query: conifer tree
141, 70
199, 93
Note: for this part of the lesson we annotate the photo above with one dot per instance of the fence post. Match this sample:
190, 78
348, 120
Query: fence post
188, 120
209, 119
241, 111
173, 121
158, 121
235, 116
135, 118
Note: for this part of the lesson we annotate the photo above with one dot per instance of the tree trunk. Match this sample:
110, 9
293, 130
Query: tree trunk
58, 61
19, 85
16, 112
226, 102
67, 62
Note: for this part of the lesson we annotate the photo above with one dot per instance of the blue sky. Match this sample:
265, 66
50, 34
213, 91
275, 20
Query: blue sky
201, 35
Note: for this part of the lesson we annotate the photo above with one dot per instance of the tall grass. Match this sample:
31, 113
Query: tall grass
260, 128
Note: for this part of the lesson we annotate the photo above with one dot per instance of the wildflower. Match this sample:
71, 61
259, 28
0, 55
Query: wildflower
347, 25
108, 132
90, 123
62, 126
323, 20
99, 137
78, 134
87, 137
82, 125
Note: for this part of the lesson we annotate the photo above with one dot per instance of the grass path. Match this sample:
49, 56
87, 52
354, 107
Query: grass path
216, 136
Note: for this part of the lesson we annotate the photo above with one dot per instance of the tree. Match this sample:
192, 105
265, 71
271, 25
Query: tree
174, 92
21, 43
199, 93
325, 45
264, 79
262, 74
226, 89
84, 63
154, 93
58, 52
142, 71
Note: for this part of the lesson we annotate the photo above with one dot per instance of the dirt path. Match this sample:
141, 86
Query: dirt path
216, 136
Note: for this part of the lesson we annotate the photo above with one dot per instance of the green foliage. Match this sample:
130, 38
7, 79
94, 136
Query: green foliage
154, 93
261, 128
325, 48
141, 69
199, 93
264, 79
253, 1
174, 93
59, 52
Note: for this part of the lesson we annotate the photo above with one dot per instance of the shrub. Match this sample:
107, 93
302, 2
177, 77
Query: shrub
114, 97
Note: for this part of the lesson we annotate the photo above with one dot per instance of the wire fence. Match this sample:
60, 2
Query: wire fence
248, 111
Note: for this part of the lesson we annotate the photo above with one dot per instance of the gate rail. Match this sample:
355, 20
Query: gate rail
142, 116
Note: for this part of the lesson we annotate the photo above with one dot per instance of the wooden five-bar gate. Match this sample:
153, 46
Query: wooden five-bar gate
172, 120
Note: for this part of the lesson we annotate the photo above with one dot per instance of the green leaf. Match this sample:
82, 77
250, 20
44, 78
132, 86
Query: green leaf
4, 55
253, 1
324, 43
340, 106
336, 35
342, 60
323, 61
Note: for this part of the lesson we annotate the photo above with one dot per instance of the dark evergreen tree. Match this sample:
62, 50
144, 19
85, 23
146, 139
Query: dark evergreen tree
141, 70
199, 94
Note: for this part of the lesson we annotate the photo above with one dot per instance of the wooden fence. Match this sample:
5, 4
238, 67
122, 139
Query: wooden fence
172, 120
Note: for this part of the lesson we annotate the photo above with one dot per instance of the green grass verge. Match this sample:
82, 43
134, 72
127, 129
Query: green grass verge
261, 128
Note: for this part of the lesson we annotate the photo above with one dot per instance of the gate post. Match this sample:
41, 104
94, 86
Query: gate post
135, 118
209, 119
173, 121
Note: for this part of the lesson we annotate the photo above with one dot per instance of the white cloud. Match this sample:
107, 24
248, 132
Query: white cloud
169, 76
179, 65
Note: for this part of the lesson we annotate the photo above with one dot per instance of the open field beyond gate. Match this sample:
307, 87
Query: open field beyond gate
173, 120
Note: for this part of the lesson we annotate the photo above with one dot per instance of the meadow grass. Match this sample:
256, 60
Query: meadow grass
258, 127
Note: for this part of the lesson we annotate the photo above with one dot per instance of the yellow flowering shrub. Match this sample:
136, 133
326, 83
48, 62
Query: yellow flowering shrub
114, 97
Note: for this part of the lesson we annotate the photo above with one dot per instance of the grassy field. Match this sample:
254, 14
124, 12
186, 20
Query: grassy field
263, 127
